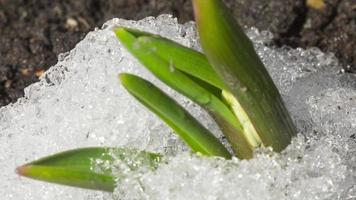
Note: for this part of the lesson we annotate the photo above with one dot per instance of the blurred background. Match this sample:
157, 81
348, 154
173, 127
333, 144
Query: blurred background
34, 32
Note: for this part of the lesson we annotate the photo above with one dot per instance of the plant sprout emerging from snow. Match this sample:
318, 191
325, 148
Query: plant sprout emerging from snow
229, 81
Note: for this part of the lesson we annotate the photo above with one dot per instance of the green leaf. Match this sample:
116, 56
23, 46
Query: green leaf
185, 59
182, 58
233, 57
81, 168
164, 70
186, 126
194, 88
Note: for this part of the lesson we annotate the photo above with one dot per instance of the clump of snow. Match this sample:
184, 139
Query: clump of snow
79, 102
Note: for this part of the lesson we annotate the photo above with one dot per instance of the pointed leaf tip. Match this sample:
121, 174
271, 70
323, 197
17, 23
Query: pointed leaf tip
118, 31
122, 77
123, 34
22, 170
201, 7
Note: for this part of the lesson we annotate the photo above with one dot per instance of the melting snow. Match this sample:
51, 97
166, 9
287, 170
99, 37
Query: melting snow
79, 102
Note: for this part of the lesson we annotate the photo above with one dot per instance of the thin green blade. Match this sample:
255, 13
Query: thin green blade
206, 97
167, 71
186, 126
183, 58
187, 60
78, 168
233, 57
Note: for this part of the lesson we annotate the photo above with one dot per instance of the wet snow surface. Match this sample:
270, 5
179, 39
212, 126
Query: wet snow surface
79, 102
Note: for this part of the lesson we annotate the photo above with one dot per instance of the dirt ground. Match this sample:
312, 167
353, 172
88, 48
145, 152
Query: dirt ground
34, 32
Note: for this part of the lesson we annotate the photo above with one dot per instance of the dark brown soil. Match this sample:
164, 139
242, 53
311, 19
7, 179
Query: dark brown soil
34, 32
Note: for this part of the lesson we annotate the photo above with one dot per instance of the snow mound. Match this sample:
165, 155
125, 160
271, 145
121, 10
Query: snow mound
79, 102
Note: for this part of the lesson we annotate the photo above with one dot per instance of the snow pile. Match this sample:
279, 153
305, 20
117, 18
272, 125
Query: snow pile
79, 102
